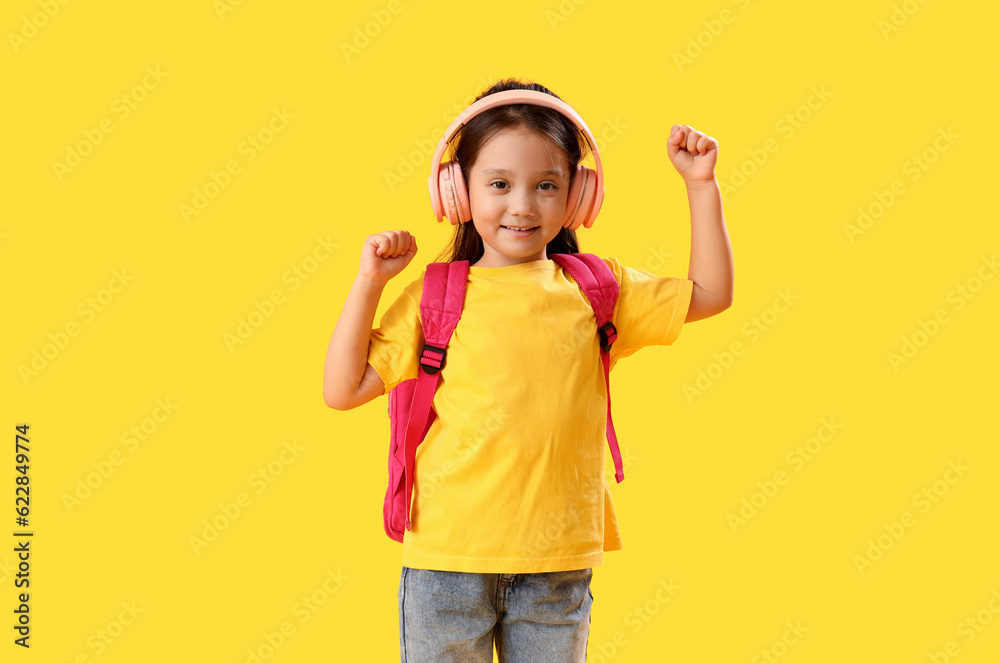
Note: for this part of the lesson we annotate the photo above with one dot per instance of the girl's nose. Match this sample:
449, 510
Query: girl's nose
522, 204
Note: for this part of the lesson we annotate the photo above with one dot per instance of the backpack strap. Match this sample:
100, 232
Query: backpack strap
601, 288
440, 308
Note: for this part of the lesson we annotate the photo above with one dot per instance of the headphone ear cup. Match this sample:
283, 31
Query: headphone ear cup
454, 195
581, 198
573, 197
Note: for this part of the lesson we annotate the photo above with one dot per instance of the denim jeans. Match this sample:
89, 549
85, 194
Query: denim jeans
458, 616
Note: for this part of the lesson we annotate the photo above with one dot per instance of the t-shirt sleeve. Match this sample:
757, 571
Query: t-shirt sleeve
650, 311
394, 347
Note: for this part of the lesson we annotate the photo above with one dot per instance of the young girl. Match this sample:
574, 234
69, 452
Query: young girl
511, 506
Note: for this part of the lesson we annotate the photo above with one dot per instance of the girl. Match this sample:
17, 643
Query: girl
511, 506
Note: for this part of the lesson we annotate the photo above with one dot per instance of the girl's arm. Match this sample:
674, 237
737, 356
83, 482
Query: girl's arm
711, 264
694, 154
348, 379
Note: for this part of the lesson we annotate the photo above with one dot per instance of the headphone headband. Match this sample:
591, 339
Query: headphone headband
507, 98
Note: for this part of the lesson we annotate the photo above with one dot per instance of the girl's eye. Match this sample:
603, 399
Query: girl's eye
550, 186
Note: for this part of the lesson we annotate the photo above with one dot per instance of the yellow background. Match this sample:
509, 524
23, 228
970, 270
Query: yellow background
359, 116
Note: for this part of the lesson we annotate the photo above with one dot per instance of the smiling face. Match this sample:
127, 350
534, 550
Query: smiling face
519, 180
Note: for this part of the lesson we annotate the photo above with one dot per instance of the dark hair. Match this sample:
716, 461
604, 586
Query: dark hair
549, 123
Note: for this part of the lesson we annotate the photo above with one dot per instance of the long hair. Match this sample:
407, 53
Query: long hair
548, 123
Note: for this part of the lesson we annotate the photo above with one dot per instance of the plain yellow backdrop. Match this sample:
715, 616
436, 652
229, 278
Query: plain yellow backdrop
813, 474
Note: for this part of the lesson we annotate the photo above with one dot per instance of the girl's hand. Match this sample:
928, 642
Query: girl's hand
692, 153
385, 254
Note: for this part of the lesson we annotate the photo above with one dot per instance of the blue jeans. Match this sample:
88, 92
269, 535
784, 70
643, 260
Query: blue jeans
457, 616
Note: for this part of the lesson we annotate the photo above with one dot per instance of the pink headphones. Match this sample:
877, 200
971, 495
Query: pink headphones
450, 196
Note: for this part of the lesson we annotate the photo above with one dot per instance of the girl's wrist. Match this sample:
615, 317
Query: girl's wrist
702, 184
369, 284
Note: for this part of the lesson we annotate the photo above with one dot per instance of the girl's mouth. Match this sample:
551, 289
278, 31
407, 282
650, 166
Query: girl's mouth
517, 231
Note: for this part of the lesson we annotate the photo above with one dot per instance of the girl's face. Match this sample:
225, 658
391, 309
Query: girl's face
519, 180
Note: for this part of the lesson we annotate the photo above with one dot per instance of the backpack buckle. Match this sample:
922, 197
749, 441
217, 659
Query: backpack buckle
608, 335
432, 359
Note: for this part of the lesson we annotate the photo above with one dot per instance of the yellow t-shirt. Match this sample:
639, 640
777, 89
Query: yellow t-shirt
510, 476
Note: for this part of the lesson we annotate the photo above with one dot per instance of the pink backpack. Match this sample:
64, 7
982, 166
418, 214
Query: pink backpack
410, 411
